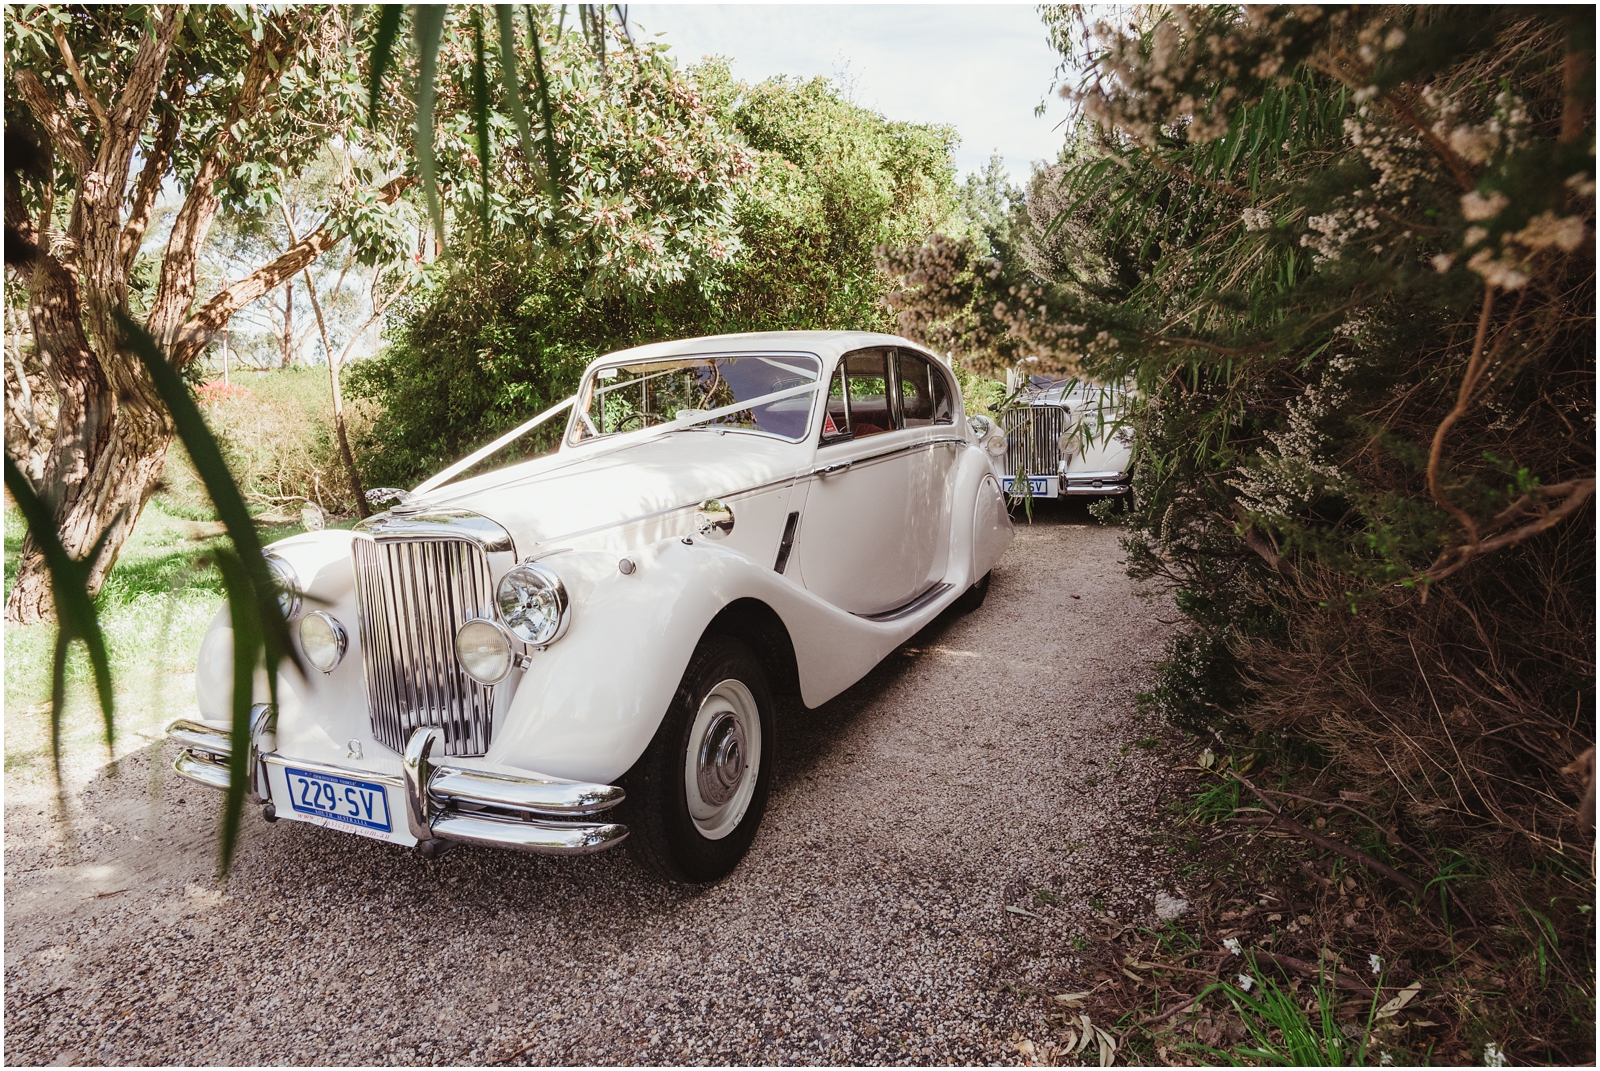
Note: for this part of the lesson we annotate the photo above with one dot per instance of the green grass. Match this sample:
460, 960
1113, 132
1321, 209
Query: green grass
155, 608
1283, 1032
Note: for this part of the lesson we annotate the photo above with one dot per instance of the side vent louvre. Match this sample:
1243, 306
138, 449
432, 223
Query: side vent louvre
787, 544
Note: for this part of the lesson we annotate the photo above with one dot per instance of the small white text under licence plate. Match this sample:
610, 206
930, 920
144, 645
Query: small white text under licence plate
339, 799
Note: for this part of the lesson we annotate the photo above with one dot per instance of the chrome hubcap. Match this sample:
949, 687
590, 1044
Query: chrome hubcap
723, 760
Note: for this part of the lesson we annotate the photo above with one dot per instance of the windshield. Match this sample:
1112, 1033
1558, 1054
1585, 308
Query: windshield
628, 397
1078, 390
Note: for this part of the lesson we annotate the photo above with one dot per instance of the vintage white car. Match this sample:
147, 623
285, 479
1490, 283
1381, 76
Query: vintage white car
586, 646
1067, 438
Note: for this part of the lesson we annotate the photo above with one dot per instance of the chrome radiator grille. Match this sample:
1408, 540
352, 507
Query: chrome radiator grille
1033, 439
414, 594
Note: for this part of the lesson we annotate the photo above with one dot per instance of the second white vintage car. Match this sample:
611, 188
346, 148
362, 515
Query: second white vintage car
586, 646
1067, 437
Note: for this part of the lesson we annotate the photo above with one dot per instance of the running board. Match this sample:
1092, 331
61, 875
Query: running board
909, 608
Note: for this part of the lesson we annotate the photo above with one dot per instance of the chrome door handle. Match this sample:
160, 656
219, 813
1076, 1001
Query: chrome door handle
828, 470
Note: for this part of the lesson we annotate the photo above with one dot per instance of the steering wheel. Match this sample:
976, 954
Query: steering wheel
649, 418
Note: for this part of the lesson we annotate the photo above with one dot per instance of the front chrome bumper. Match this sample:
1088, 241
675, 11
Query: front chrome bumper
1095, 483
442, 803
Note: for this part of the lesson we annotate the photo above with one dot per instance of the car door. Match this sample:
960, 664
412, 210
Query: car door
927, 409
858, 544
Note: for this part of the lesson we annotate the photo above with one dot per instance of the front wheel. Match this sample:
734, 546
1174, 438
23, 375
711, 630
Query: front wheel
698, 793
973, 597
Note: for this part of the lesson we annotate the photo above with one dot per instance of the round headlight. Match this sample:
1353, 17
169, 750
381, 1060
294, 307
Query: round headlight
323, 639
287, 583
533, 604
995, 444
484, 651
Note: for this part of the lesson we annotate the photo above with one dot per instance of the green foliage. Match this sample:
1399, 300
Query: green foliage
477, 351
502, 328
832, 182
1345, 259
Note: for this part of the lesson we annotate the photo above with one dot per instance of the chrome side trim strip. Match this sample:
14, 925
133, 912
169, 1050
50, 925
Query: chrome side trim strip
909, 608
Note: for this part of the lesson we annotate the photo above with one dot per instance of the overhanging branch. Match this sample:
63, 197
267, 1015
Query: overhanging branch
214, 314
62, 136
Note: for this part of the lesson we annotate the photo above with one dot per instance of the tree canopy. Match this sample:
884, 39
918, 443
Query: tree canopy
793, 190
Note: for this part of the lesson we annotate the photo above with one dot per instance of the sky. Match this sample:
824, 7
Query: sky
981, 68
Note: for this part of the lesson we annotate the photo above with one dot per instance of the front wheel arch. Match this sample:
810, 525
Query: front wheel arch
759, 627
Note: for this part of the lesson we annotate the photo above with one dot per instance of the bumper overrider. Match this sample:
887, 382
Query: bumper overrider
442, 803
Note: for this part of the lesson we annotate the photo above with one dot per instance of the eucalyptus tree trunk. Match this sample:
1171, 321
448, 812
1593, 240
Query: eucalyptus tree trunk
112, 431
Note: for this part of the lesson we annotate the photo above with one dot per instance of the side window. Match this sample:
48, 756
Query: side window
944, 406
916, 390
836, 418
867, 379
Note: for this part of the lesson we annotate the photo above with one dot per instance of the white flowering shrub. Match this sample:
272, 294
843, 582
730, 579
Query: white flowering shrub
1347, 257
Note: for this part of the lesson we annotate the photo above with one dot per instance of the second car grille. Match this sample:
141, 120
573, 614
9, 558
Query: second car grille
1033, 439
414, 594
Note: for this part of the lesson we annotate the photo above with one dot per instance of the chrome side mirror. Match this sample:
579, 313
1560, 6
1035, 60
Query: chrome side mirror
714, 519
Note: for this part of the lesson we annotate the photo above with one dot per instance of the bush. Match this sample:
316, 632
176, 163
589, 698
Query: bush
276, 432
1346, 257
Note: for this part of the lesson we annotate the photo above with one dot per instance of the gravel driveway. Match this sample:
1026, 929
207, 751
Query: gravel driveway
994, 756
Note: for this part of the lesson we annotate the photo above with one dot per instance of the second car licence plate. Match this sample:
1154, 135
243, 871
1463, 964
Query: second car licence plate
1038, 486
339, 799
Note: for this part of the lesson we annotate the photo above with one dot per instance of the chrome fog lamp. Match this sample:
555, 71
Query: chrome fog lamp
484, 651
323, 639
287, 583
533, 604
995, 444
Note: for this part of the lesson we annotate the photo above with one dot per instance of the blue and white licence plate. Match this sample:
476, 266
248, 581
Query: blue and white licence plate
339, 799
1038, 486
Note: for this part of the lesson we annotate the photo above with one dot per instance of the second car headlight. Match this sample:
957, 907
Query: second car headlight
533, 604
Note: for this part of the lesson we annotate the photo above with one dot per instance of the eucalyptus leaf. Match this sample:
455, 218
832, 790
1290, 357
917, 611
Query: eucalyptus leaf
382, 54
428, 21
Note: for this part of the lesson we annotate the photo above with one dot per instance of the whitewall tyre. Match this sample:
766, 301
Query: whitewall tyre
697, 794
